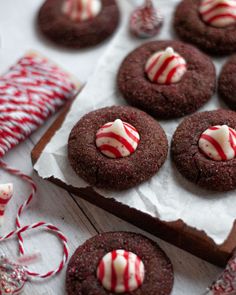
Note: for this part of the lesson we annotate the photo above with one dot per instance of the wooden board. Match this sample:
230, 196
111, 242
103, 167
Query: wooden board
177, 233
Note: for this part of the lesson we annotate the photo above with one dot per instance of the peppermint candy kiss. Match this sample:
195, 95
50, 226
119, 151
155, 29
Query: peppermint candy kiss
6, 192
121, 271
81, 10
218, 143
218, 13
146, 21
117, 139
165, 67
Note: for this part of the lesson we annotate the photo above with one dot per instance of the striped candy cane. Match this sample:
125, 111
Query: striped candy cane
39, 225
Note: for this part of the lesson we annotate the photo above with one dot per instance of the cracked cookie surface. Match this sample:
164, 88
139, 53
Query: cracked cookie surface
123, 173
192, 163
167, 101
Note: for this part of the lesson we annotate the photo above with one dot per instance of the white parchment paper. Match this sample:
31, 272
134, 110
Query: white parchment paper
167, 195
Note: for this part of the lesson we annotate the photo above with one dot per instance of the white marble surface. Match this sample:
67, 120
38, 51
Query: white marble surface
78, 219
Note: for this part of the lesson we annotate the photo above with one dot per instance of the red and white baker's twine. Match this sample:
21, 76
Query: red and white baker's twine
39, 225
30, 92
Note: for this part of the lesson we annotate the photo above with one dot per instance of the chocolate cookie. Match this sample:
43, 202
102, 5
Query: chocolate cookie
173, 100
192, 163
191, 28
62, 30
227, 83
82, 273
120, 173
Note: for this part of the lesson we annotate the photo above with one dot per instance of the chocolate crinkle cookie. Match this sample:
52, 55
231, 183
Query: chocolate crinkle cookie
210, 25
78, 23
167, 79
117, 147
204, 149
119, 263
227, 83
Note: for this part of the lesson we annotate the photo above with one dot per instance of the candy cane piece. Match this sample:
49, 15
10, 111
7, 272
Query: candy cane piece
6, 192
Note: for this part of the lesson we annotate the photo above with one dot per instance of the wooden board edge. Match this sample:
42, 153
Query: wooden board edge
176, 233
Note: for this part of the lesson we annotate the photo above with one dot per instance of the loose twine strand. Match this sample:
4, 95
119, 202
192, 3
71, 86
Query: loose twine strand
38, 225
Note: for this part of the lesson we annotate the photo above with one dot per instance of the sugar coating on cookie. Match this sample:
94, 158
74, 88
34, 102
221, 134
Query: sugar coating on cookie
165, 67
81, 10
218, 13
121, 271
117, 139
218, 143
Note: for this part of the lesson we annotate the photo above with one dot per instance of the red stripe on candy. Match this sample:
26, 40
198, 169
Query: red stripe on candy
119, 138
126, 272
231, 141
89, 9
214, 128
137, 272
217, 6
216, 145
233, 132
111, 149
101, 271
163, 67
172, 72
153, 63
113, 272
228, 15
4, 201
130, 126
131, 135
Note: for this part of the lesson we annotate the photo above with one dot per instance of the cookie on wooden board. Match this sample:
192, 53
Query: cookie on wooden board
117, 147
204, 149
167, 79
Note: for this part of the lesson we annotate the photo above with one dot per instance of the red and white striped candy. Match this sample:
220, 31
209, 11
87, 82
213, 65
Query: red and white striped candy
6, 192
218, 13
81, 10
121, 271
146, 21
218, 143
117, 139
165, 67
